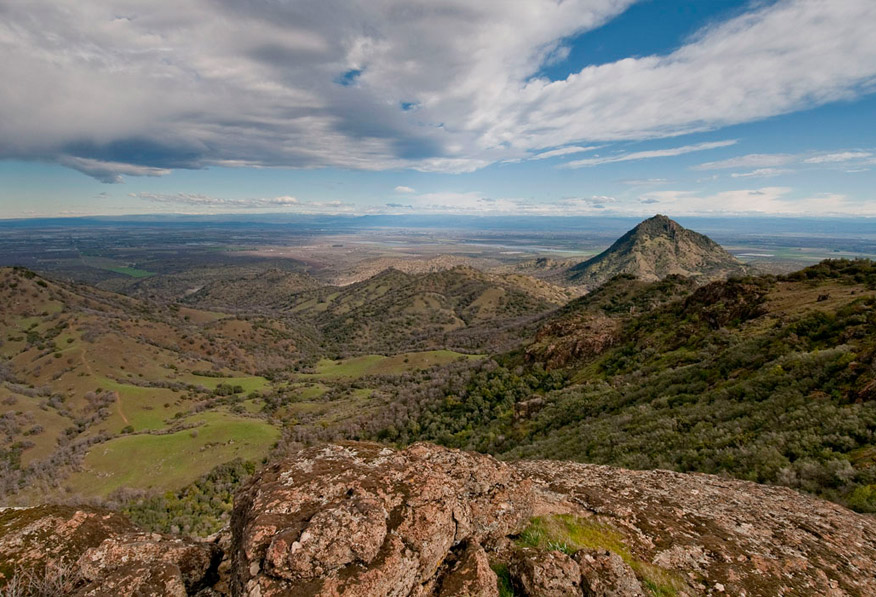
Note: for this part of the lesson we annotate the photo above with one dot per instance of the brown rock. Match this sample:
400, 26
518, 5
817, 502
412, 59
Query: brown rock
173, 564
31, 538
605, 574
546, 574
367, 520
471, 576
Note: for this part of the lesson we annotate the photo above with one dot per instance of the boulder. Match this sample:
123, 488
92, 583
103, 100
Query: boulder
605, 574
546, 573
367, 520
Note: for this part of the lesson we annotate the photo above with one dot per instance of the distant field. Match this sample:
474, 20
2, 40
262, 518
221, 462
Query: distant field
169, 462
381, 365
249, 383
131, 271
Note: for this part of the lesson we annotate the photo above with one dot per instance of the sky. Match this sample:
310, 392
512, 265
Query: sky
494, 107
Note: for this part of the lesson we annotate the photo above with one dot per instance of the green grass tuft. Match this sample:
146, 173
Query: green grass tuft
503, 576
569, 534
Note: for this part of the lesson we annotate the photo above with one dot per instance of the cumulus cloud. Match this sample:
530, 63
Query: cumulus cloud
451, 86
647, 155
404, 189
201, 203
207, 200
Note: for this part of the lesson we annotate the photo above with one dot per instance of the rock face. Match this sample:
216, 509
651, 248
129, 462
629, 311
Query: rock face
361, 519
96, 553
365, 520
655, 249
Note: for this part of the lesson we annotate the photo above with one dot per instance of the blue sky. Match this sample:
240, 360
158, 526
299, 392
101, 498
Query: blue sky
584, 107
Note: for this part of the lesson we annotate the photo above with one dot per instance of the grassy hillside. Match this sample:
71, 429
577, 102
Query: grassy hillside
82, 371
764, 378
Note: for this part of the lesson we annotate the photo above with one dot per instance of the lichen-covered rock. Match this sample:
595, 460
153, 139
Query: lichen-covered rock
471, 576
546, 573
32, 538
173, 564
362, 519
749, 539
367, 520
605, 574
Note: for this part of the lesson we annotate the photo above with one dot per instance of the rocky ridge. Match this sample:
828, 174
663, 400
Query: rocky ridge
363, 519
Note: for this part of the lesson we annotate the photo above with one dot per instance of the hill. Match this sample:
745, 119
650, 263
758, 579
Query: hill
92, 381
656, 248
253, 293
458, 308
770, 379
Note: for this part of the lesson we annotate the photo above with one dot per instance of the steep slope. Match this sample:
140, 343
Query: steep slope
767, 379
656, 248
456, 308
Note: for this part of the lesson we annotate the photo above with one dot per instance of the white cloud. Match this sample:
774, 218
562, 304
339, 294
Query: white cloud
201, 203
761, 201
646, 155
476, 203
752, 160
333, 84
562, 151
110, 172
762, 173
404, 189
833, 158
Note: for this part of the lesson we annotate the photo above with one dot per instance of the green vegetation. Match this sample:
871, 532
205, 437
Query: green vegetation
170, 461
570, 534
382, 365
503, 579
200, 508
767, 379
131, 271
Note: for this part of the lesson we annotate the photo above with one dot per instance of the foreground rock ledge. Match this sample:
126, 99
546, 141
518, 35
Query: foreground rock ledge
362, 520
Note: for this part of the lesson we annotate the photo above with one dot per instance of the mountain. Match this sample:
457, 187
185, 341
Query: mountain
364, 519
656, 248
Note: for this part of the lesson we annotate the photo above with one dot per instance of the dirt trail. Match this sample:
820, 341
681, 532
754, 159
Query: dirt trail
119, 408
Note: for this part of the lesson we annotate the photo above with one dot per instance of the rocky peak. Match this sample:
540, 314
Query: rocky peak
656, 248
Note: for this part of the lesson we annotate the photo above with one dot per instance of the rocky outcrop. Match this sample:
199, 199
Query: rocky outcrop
362, 519
366, 520
96, 553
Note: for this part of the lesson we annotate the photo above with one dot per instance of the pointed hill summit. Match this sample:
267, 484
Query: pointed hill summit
657, 248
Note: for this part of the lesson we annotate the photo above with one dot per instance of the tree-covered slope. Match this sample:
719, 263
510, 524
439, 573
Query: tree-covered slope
763, 378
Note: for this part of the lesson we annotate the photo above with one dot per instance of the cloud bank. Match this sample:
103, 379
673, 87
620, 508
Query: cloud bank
138, 87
